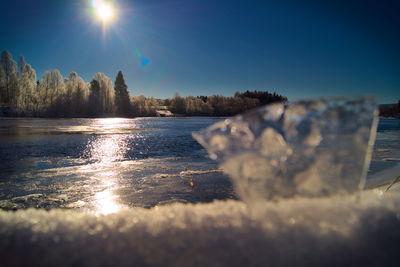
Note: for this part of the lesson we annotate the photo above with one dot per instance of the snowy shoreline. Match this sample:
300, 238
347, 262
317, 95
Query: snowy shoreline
333, 231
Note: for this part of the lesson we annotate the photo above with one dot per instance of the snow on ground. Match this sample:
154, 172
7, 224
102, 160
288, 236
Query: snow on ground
338, 231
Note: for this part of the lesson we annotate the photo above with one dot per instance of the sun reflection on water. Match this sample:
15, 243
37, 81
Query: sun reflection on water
106, 151
106, 202
107, 148
111, 122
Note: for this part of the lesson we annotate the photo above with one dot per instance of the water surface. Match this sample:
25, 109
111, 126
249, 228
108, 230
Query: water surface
106, 164
103, 165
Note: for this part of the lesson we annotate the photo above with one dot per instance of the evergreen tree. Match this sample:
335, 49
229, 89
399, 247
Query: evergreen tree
264, 97
122, 102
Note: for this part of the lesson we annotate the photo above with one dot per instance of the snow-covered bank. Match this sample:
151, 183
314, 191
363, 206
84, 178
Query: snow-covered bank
334, 231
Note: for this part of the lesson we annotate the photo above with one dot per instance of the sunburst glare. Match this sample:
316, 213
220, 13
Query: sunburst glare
104, 10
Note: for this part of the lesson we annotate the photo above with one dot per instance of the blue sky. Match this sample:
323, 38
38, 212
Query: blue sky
300, 49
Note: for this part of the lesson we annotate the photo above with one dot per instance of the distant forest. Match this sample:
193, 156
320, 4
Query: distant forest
21, 94
390, 110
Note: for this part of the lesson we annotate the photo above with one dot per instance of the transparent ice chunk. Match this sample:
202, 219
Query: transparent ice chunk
310, 148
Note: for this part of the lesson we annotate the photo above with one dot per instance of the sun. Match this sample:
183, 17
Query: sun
104, 10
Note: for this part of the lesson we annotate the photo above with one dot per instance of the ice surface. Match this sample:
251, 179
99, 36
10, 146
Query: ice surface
308, 148
333, 231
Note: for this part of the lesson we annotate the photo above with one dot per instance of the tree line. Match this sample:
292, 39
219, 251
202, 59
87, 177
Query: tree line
390, 110
56, 96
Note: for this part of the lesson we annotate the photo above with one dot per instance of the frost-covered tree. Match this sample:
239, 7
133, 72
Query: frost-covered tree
122, 102
178, 104
21, 66
107, 95
51, 87
2, 86
8, 82
195, 106
143, 106
27, 88
76, 95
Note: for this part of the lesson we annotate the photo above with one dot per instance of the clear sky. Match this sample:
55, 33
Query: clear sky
300, 49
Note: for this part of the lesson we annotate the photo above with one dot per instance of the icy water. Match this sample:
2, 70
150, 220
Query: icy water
103, 165
387, 145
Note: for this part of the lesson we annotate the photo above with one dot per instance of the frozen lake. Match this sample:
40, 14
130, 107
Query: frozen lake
103, 165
